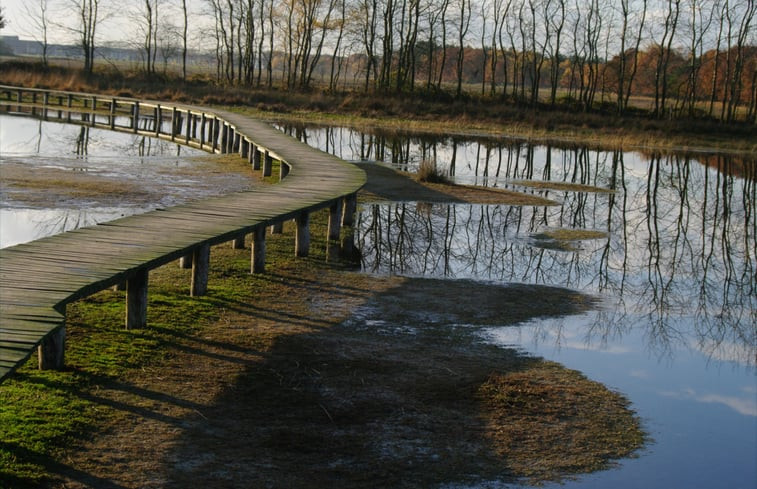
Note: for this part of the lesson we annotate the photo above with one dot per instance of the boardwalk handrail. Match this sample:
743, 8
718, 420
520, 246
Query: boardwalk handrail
39, 278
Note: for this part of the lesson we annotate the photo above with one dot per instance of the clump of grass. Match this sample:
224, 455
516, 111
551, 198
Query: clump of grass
429, 172
549, 420
564, 239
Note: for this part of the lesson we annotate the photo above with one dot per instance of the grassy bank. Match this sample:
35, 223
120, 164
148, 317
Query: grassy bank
420, 112
279, 379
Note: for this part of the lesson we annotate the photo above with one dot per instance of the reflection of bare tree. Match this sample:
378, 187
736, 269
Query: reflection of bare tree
680, 251
82, 142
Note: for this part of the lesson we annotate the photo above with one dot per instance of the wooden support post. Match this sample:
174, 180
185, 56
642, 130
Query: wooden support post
335, 220
20, 99
136, 300
69, 104
202, 130
350, 207
94, 108
190, 121
277, 228
185, 261
224, 137
200, 266
34, 102
158, 120
45, 102
302, 235
283, 170
135, 117
257, 154
230, 139
51, 352
244, 149
238, 242
267, 164
215, 128
175, 122
113, 114
257, 264
237, 143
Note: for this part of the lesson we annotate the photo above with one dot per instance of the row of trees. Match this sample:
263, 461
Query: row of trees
687, 56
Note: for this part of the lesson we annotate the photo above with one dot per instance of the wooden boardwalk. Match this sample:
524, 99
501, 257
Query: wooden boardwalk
38, 279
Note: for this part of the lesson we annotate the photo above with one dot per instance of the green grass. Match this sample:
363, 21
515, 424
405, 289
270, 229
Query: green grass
44, 412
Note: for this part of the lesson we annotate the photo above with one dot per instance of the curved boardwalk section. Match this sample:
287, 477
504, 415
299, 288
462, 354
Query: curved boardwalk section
38, 279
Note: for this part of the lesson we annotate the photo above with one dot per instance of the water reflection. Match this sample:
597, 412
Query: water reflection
674, 263
680, 244
27, 136
56, 177
24, 225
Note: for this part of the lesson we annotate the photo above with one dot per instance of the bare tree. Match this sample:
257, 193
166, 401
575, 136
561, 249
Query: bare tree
463, 24
184, 31
88, 15
664, 47
36, 14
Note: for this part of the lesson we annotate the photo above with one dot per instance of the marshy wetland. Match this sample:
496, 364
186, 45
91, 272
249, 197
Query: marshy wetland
636, 270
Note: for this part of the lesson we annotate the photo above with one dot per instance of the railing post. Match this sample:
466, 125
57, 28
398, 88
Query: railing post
244, 149
51, 352
136, 300
200, 266
257, 264
302, 235
94, 107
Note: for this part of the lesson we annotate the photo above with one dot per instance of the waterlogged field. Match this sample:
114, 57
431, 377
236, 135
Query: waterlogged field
666, 242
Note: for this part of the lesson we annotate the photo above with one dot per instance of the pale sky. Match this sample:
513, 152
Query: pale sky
114, 12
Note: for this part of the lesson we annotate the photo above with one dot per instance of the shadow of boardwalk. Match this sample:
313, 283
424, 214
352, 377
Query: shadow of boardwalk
387, 398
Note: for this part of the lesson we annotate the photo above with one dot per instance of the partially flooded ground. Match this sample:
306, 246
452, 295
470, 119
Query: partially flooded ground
313, 375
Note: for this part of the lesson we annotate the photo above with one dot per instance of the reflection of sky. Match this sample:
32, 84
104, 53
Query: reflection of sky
676, 277
701, 414
165, 173
24, 225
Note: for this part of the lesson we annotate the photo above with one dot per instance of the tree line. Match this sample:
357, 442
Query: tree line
687, 58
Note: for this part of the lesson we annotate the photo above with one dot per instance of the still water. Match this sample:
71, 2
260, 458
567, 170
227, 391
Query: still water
674, 266
675, 270
56, 177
